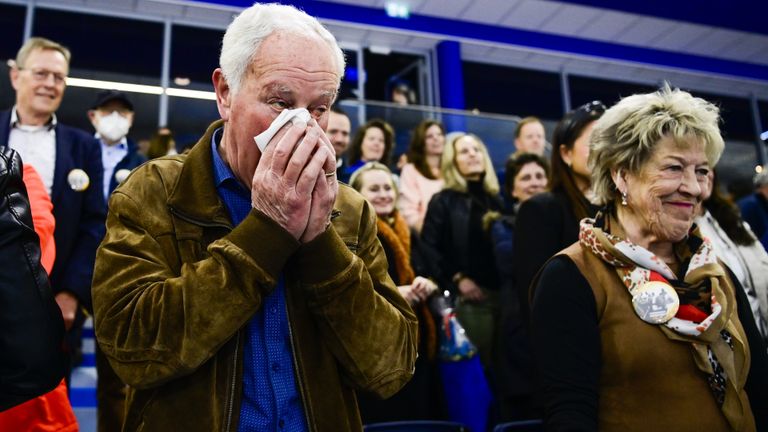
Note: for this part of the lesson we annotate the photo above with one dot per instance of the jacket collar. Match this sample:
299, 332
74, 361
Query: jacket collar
194, 195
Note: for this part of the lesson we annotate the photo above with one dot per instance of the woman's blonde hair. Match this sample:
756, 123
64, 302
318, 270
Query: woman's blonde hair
625, 136
356, 180
451, 175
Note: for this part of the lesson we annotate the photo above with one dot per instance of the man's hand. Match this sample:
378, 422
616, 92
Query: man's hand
284, 182
68, 304
323, 196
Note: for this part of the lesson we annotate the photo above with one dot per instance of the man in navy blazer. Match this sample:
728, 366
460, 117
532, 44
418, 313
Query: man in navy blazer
69, 162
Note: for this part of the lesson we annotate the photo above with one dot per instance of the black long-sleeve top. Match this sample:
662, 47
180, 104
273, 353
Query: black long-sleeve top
566, 342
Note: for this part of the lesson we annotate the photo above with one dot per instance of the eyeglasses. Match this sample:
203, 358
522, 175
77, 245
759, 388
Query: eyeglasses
41, 75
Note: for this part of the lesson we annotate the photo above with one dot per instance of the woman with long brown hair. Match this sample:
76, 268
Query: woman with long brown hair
549, 222
420, 178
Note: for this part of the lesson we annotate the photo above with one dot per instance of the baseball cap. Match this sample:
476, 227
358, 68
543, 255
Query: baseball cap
105, 96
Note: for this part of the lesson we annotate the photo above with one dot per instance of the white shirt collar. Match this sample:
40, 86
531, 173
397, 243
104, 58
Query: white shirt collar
15, 122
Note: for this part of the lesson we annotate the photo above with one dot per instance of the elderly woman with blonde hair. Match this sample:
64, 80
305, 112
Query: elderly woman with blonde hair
638, 325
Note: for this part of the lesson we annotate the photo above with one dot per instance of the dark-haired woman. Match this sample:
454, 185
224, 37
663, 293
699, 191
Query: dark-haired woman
420, 178
373, 142
549, 222
737, 247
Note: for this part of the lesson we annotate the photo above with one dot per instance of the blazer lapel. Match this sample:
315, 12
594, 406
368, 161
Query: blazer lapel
64, 164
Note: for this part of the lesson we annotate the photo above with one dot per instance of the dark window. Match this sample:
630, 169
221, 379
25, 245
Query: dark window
762, 106
384, 72
584, 90
11, 30
12, 34
350, 80
189, 118
514, 91
194, 55
105, 44
737, 123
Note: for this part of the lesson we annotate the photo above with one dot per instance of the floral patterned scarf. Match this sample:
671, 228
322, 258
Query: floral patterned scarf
707, 318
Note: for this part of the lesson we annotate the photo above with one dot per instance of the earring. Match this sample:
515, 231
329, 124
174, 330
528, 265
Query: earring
623, 198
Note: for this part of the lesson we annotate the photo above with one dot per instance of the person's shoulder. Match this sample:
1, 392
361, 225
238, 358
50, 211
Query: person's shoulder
747, 201
351, 212
349, 201
134, 158
408, 170
545, 203
145, 180
560, 265
445, 196
74, 134
558, 273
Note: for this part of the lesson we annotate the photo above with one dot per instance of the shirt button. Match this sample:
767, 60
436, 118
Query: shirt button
275, 366
273, 310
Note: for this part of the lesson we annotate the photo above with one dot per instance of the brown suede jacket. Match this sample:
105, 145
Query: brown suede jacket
175, 284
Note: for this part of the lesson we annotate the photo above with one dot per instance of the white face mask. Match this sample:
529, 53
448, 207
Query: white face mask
113, 126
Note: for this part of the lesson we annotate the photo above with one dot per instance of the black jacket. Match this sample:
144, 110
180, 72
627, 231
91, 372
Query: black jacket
446, 239
545, 225
32, 361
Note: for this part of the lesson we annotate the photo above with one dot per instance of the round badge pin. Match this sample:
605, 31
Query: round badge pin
121, 175
78, 180
655, 302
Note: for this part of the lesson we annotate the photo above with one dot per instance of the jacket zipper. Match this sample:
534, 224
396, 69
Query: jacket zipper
231, 402
298, 371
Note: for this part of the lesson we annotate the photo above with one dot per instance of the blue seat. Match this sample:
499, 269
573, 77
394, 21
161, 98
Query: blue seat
416, 426
520, 426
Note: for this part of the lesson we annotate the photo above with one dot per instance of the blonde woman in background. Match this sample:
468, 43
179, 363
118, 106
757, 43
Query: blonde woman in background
458, 247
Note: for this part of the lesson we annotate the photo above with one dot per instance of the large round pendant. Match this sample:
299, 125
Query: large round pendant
655, 302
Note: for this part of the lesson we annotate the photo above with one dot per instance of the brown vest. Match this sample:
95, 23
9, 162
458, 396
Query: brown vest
648, 382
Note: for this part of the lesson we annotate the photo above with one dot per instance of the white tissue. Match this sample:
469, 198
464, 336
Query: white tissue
293, 116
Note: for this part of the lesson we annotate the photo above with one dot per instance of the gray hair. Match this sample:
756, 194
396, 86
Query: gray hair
39, 43
626, 135
249, 29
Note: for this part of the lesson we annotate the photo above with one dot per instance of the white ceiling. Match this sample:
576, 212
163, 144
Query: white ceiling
549, 17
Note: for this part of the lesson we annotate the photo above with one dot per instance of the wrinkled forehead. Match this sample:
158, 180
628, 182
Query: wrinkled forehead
308, 52
688, 148
48, 58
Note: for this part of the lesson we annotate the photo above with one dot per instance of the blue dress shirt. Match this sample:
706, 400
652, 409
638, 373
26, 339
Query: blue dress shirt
271, 400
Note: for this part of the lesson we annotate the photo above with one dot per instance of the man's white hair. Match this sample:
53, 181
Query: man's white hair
249, 29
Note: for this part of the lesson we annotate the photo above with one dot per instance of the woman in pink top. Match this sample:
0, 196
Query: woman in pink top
421, 178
